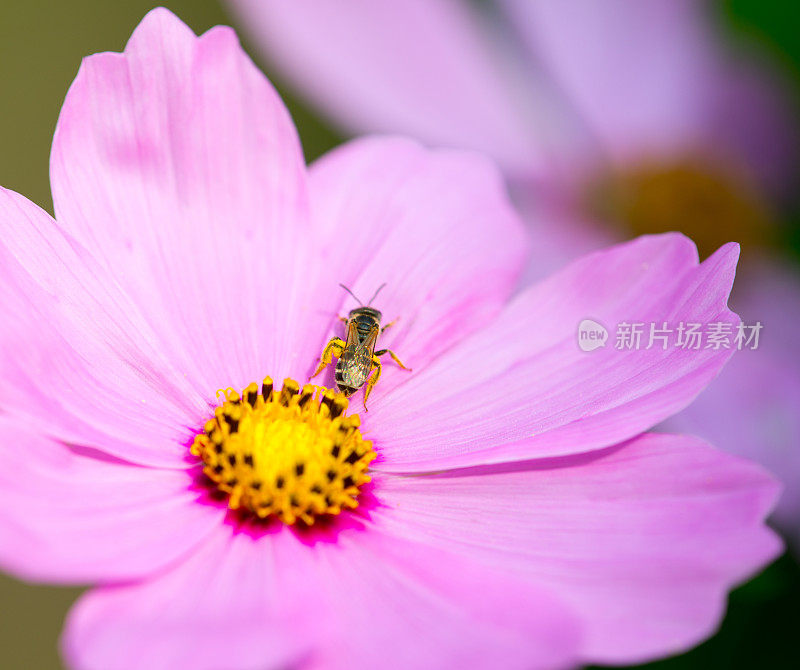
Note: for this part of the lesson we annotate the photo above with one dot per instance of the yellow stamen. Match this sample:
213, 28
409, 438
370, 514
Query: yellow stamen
292, 454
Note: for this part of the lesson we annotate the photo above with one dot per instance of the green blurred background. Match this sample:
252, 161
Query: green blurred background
41, 45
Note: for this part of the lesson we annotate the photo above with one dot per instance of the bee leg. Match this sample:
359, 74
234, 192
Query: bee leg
343, 319
377, 367
389, 325
394, 357
333, 348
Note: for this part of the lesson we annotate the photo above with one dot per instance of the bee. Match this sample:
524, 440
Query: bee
357, 357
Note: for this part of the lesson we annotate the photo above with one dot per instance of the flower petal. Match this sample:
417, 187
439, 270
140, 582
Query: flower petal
429, 69
425, 608
651, 77
177, 165
361, 602
643, 540
753, 118
751, 409
522, 388
236, 603
436, 226
84, 363
71, 515
638, 75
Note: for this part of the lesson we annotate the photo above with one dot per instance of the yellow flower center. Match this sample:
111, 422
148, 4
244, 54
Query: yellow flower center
710, 201
292, 454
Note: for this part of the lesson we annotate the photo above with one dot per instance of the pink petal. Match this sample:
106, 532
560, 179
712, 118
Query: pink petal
636, 72
752, 117
70, 515
642, 540
522, 388
361, 602
436, 226
651, 78
82, 360
236, 603
177, 164
423, 608
429, 69
559, 235
751, 409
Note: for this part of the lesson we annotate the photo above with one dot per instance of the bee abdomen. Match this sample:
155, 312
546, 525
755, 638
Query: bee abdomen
352, 372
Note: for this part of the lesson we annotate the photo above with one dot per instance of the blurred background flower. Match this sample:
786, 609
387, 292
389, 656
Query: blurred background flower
609, 119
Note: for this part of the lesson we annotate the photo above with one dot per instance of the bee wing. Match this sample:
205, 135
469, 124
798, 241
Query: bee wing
368, 345
352, 335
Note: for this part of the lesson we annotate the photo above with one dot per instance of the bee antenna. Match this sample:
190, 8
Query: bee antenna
351, 293
376, 293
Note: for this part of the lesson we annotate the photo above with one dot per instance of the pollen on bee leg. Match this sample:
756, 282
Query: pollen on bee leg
292, 454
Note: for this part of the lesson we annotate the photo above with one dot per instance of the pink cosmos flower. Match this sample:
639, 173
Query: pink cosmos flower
514, 514
561, 94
